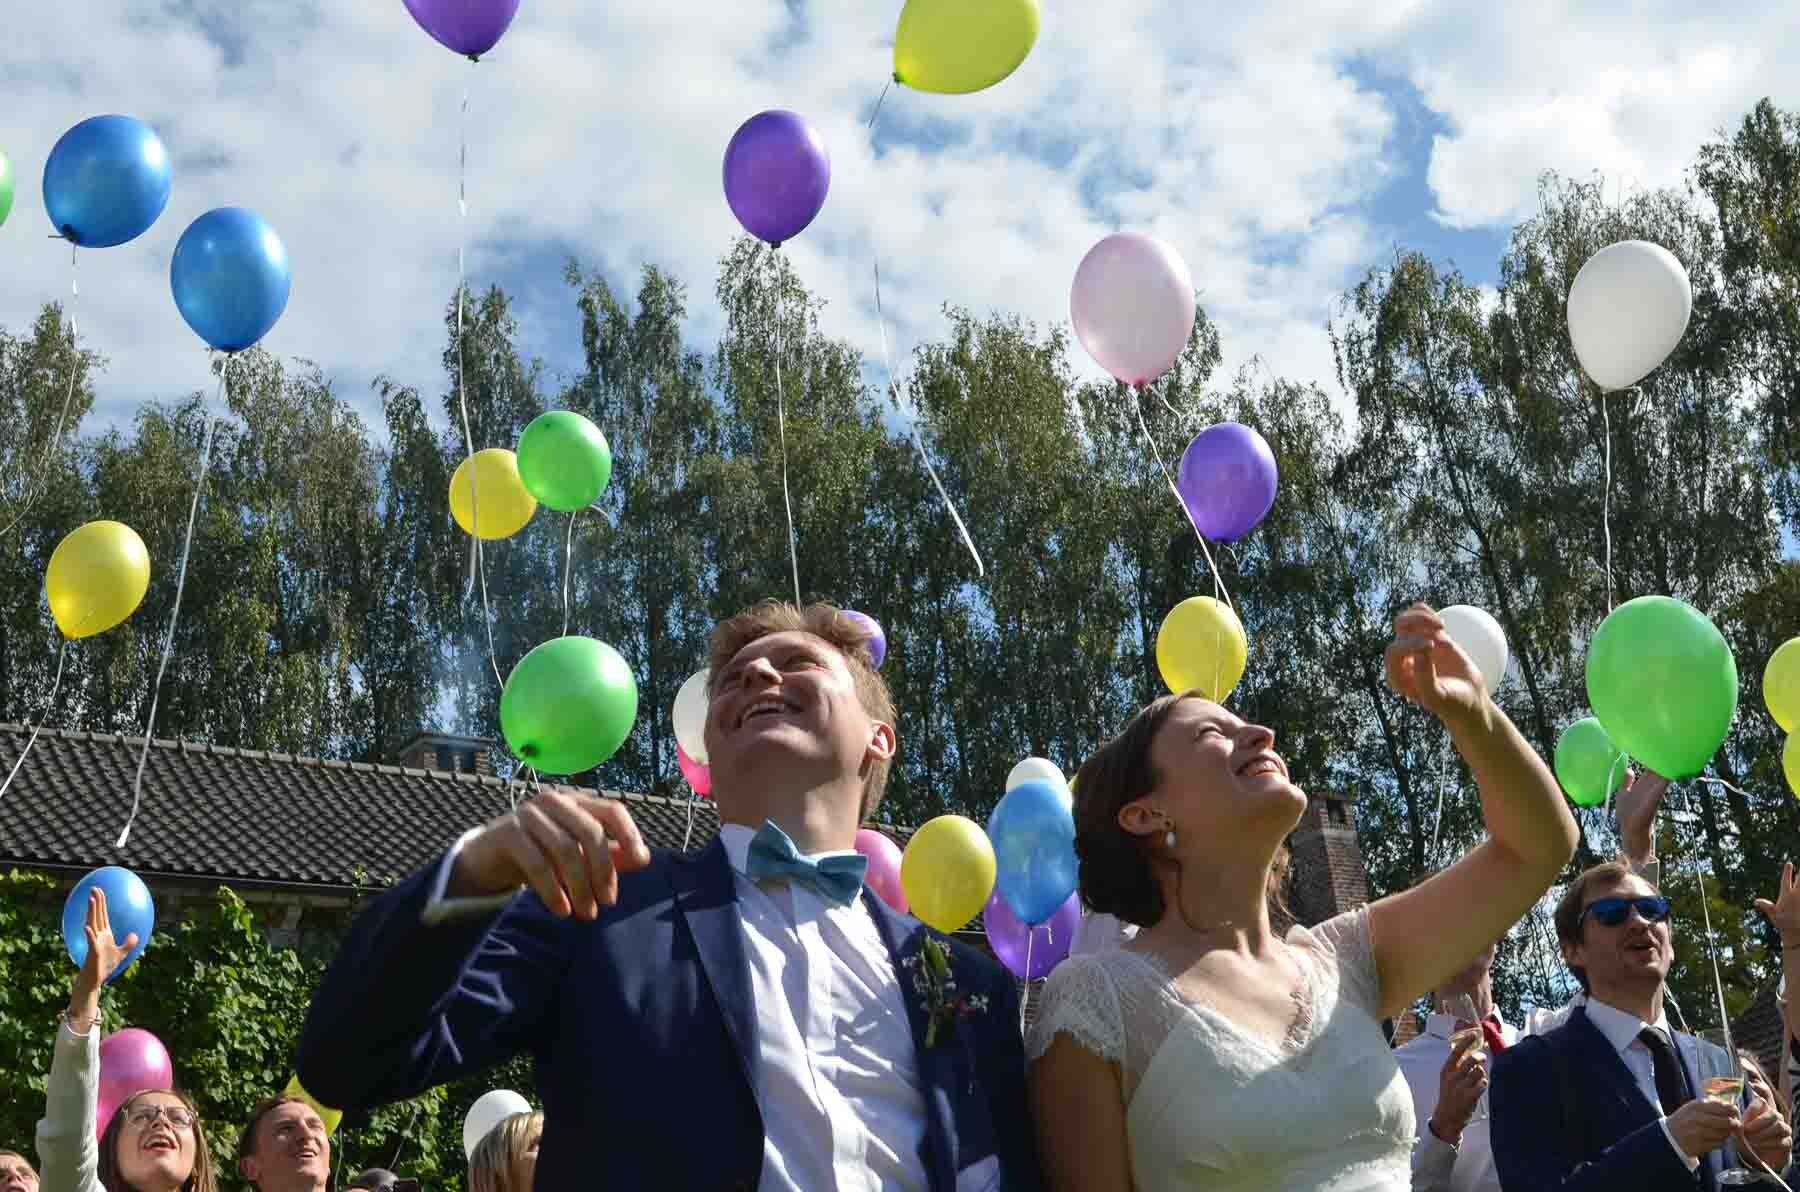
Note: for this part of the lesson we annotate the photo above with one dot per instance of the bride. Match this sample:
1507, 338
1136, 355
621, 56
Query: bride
1208, 1052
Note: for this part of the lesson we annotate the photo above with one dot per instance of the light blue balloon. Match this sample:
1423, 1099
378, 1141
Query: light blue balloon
106, 181
1033, 834
230, 277
128, 907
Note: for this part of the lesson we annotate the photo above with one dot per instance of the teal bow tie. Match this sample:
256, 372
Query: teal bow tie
837, 878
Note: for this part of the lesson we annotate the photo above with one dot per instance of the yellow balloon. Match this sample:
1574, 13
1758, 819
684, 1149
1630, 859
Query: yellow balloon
331, 1117
1790, 764
97, 577
500, 496
1201, 647
1781, 685
947, 871
957, 46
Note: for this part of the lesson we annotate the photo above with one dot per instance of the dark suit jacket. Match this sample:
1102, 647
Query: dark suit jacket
1567, 1114
642, 1029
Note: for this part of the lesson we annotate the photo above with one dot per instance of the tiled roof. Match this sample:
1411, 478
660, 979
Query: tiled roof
1758, 1030
239, 816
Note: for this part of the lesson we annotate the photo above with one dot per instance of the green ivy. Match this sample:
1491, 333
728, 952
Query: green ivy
228, 1005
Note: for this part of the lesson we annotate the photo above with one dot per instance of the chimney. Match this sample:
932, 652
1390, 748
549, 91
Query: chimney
447, 753
1327, 875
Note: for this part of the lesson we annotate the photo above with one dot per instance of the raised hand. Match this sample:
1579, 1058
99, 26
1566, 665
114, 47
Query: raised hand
1784, 912
105, 955
1637, 806
1425, 667
568, 847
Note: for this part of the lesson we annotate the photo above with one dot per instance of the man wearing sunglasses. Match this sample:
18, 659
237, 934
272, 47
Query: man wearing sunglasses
1611, 1099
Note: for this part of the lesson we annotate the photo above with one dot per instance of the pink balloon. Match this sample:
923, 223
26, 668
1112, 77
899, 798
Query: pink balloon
131, 1061
1133, 306
698, 776
883, 875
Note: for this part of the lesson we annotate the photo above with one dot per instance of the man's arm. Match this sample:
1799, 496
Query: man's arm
1637, 806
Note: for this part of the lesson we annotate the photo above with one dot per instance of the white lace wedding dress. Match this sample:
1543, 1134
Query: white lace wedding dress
1209, 1105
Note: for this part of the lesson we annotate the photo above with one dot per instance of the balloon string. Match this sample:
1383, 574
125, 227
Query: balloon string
1025, 994
34, 491
1437, 827
187, 545
1712, 951
879, 100
1150, 444
462, 401
787, 500
887, 364
49, 704
568, 569
688, 837
1606, 500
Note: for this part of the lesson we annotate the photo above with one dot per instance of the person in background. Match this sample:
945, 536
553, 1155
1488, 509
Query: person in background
1452, 1153
380, 1179
1784, 912
284, 1148
17, 1173
506, 1159
153, 1142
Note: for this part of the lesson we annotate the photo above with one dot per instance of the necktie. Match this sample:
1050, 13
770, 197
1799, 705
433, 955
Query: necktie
1671, 1083
838, 878
1495, 1040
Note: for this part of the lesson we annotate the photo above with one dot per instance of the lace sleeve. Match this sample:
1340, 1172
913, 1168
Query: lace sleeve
1345, 944
1080, 1000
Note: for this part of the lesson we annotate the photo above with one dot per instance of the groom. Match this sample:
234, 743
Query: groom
745, 1017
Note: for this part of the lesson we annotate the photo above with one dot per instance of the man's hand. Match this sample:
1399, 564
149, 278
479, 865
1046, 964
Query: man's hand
1767, 1135
1637, 805
1461, 1082
1784, 912
1701, 1126
567, 846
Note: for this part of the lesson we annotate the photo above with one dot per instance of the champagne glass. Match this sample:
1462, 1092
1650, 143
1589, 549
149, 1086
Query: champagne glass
1468, 1028
1727, 1088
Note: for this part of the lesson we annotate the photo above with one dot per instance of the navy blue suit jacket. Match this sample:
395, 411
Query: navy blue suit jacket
1568, 1115
642, 1029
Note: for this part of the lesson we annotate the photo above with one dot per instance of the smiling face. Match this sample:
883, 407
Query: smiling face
154, 1152
16, 1174
291, 1151
786, 716
1219, 783
1624, 961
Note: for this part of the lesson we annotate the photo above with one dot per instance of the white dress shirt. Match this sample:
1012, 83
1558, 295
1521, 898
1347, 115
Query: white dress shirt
1621, 1030
1468, 1166
838, 1076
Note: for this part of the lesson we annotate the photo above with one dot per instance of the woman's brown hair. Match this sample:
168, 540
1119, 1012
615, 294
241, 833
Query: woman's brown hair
1118, 870
201, 1179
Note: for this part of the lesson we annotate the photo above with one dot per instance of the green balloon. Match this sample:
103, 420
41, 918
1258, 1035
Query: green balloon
1589, 766
568, 705
6, 188
564, 460
1663, 683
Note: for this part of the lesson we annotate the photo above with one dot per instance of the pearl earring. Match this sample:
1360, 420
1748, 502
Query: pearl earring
1169, 838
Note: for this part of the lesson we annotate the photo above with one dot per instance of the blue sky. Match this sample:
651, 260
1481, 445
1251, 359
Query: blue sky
1281, 149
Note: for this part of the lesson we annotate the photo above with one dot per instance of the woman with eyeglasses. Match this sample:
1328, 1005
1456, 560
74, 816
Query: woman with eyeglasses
153, 1142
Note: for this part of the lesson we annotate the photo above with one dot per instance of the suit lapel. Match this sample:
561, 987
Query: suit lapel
1596, 1054
707, 895
937, 1069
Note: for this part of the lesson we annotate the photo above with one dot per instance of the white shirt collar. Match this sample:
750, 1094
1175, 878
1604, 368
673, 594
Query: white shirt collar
737, 837
1620, 1028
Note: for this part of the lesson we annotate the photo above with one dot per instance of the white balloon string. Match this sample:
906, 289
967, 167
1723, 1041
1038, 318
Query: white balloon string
787, 501
568, 569
1150, 444
1025, 993
34, 488
688, 836
462, 401
49, 705
912, 426
1437, 827
879, 100
187, 546
487, 615
1712, 951
1606, 500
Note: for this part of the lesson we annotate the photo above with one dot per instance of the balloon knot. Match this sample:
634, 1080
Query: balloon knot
898, 79
528, 751
474, 57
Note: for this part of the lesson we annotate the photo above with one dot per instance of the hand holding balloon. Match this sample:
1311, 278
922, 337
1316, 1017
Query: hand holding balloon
1425, 667
105, 956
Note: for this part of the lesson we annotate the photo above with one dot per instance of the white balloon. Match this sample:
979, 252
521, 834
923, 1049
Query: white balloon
691, 703
489, 1110
1627, 310
1481, 638
1037, 769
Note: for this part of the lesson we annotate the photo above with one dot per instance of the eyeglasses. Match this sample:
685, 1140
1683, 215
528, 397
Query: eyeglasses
142, 1116
1610, 912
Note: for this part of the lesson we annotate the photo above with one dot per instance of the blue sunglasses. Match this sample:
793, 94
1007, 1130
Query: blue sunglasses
1610, 912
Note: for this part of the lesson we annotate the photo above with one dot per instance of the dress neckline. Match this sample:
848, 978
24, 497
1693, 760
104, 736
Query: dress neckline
1302, 1032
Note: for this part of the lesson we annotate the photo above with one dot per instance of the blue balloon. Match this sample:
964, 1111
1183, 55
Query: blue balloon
106, 181
230, 277
128, 907
1033, 834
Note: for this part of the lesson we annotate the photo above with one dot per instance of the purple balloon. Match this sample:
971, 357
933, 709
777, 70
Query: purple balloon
469, 27
1048, 942
878, 638
1227, 480
776, 174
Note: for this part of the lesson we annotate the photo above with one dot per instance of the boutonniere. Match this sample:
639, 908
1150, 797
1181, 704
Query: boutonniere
935, 984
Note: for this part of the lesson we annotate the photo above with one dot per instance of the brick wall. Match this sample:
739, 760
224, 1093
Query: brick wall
1326, 876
